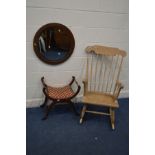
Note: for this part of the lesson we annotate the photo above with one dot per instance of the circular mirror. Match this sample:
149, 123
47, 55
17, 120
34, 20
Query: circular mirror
53, 43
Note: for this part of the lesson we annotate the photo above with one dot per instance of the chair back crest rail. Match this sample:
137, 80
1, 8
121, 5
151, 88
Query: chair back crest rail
103, 68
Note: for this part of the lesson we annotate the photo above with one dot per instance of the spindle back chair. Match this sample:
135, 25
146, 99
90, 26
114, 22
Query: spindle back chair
101, 85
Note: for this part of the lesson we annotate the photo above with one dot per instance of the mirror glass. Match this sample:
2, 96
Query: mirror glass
53, 43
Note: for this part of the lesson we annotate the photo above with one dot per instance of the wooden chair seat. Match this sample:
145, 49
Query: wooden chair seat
100, 99
60, 92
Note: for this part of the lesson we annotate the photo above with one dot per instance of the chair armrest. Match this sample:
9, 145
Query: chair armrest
117, 89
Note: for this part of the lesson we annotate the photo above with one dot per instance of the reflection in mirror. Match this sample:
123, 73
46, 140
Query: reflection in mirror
54, 43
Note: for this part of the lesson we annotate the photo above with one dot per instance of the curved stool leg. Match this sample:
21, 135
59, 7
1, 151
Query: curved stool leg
48, 109
45, 102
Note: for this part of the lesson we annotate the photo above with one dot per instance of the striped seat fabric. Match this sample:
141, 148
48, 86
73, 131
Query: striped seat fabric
60, 92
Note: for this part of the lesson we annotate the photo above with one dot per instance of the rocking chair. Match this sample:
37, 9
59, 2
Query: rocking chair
101, 86
58, 95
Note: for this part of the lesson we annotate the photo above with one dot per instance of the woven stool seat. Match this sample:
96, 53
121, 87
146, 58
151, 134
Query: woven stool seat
60, 92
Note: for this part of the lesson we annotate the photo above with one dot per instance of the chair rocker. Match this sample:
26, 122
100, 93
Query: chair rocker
102, 86
58, 95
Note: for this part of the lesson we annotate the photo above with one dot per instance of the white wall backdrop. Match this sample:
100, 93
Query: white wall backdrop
102, 22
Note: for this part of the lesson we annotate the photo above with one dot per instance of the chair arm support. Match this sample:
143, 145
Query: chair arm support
117, 89
43, 82
85, 83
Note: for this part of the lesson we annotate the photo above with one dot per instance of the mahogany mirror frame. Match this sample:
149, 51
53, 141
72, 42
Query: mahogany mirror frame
36, 43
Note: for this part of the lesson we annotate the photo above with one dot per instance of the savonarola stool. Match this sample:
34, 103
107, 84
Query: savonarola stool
59, 95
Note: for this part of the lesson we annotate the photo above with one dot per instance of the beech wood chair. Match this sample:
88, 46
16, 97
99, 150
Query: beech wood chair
102, 86
59, 95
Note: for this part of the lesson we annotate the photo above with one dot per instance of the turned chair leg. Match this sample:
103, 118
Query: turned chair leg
48, 109
83, 113
73, 108
112, 117
45, 102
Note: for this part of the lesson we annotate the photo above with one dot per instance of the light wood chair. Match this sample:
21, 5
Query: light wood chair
102, 86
